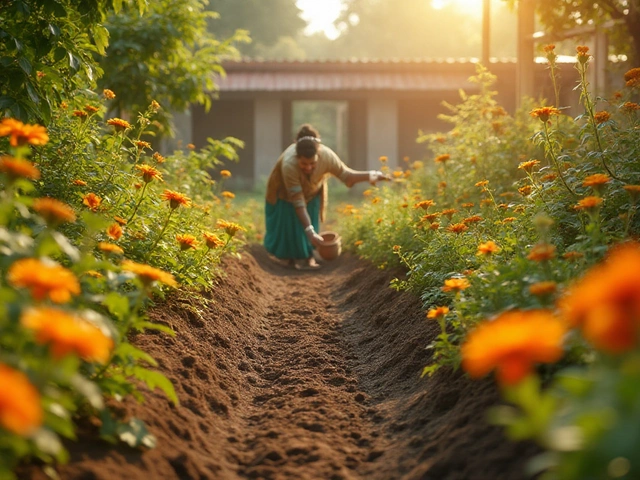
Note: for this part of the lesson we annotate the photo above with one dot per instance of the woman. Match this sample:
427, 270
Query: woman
297, 193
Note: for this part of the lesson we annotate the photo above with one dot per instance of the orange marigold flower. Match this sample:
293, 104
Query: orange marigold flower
467, 205
449, 212
228, 195
158, 157
633, 190
15, 168
529, 165
211, 240
20, 405
67, 333
176, 199
90, 109
141, 144
44, 279
155, 106
601, 117
148, 173
526, 190
225, 173
186, 241
455, 285
21, 134
114, 232
92, 201
541, 289
596, 180
397, 173
583, 53
630, 106
437, 312
588, 203
121, 221
605, 303
54, 211
488, 248
472, 219
119, 124
93, 273
229, 227
110, 248
191, 146
429, 217
108, 94
379, 221
549, 177
549, 48
457, 228
512, 343
80, 114
79, 183
544, 113
148, 274
357, 243
442, 158
542, 252
434, 226
396, 248
424, 204
383, 159
482, 184
632, 77
571, 255
509, 219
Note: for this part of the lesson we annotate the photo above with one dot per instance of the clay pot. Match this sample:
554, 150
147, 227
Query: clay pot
332, 245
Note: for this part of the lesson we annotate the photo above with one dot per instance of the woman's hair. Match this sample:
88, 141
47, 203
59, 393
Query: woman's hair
307, 141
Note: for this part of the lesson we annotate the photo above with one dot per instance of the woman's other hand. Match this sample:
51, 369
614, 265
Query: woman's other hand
377, 176
315, 239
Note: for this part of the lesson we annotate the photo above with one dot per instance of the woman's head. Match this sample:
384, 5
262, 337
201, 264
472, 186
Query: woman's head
307, 142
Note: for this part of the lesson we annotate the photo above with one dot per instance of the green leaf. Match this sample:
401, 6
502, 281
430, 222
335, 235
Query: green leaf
155, 379
101, 38
117, 304
128, 350
6, 102
25, 65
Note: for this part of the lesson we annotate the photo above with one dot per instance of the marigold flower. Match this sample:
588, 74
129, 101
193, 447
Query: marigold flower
119, 124
357, 243
509, 219
457, 228
437, 312
529, 165
396, 248
92, 201
601, 117
81, 114
455, 285
15, 168
397, 173
605, 303
583, 53
114, 232
467, 205
632, 77
191, 146
110, 248
20, 405
425, 204
472, 219
225, 173
588, 203
442, 158
211, 240
542, 252
512, 343
596, 180
176, 199
434, 226
108, 94
186, 241
549, 48
148, 274
54, 211
43, 279
630, 106
571, 255
549, 177
429, 217
633, 190
229, 227
90, 109
121, 221
482, 184
93, 273
543, 113
417, 165
379, 221
21, 134
526, 190
155, 106
449, 212
67, 333
79, 183
158, 157
148, 173
383, 159
228, 195
488, 248
541, 289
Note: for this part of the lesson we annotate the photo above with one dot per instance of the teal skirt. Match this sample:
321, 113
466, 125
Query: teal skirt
285, 237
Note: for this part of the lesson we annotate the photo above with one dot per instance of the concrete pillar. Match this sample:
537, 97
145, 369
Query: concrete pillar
598, 69
382, 132
267, 135
525, 66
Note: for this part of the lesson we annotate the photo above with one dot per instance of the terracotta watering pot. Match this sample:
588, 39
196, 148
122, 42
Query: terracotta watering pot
332, 245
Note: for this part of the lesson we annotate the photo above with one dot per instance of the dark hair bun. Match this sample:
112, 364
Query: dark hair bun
307, 130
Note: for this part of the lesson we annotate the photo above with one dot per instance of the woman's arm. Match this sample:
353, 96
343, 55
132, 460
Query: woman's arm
372, 176
315, 239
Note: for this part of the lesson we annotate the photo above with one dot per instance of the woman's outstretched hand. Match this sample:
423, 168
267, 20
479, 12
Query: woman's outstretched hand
376, 176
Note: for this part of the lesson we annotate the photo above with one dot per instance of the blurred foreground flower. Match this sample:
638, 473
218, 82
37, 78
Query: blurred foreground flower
44, 279
20, 408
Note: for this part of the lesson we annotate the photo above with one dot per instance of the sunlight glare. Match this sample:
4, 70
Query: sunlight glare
320, 16
472, 7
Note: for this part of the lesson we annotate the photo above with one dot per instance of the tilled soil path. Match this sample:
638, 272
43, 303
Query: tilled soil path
284, 374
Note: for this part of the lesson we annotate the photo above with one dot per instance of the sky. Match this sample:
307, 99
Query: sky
320, 14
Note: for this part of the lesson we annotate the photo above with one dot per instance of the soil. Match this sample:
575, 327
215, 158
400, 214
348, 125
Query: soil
286, 374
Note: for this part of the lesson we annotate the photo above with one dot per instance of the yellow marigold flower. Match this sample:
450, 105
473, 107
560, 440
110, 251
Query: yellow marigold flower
148, 173
119, 124
596, 180
529, 165
434, 226
20, 405
186, 241
375, 200
437, 312
512, 343
571, 255
367, 192
543, 113
357, 243
155, 106
67, 333
605, 303
417, 165
21, 134
228, 195
397, 173
158, 158
81, 114
15, 168
488, 248
632, 77
442, 158
588, 203
211, 240
191, 146
121, 221
519, 209
114, 232
526, 190
141, 144
93, 273
383, 159
540, 289
457, 228
225, 173
542, 252
92, 201
229, 227
472, 219
43, 280
601, 117
449, 212
482, 183
110, 248
176, 199
79, 183
108, 94
148, 274
54, 211
455, 285
425, 204
64, 105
